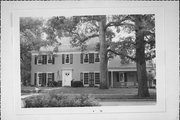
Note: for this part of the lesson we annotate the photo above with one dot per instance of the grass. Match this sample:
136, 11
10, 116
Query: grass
111, 93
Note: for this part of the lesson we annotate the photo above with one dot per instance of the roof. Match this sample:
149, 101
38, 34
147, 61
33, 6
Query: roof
67, 47
115, 64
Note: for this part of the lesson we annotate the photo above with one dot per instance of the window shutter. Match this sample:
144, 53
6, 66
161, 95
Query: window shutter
71, 58
91, 57
62, 58
43, 79
35, 78
53, 59
81, 77
81, 59
52, 76
35, 60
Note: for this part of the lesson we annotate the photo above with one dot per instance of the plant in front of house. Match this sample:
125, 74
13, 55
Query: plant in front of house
60, 100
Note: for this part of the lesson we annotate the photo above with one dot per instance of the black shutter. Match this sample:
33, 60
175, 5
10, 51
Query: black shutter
52, 76
81, 59
44, 79
35, 78
53, 59
91, 57
35, 60
62, 58
81, 77
71, 58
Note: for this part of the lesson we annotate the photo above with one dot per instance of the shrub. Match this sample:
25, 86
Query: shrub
76, 84
52, 84
60, 100
59, 84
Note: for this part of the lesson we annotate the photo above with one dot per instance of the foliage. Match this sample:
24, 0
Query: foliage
30, 39
76, 83
61, 100
52, 84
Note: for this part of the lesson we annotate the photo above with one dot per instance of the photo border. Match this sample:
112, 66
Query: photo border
83, 9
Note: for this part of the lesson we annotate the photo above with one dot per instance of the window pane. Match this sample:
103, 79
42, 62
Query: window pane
85, 78
67, 59
97, 78
86, 58
97, 57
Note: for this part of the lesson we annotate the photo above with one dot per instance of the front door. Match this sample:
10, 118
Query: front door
66, 77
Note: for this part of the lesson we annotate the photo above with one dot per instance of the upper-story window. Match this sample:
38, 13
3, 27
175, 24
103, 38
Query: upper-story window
97, 57
89, 58
67, 58
44, 59
86, 58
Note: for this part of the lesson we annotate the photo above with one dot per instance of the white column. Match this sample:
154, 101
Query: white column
112, 79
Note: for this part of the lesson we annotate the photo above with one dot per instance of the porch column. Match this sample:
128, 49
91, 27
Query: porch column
112, 79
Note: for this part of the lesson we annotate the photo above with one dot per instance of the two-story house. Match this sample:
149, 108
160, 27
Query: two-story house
69, 63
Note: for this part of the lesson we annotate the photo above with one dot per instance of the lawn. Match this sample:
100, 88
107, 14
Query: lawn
111, 93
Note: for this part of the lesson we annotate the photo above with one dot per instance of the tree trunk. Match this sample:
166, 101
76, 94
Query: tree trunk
141, 66
104, 83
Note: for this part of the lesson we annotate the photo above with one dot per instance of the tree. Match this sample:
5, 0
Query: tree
83, 28
30, 39
142, 46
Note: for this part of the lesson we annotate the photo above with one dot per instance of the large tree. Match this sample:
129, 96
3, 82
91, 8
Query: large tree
31, 30
84, 28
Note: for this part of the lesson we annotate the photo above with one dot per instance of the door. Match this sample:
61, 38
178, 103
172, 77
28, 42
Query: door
66, 77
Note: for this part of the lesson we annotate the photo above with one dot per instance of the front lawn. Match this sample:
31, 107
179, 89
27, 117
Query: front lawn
111, 93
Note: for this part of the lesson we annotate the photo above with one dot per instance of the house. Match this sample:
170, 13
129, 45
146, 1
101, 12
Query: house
69, 63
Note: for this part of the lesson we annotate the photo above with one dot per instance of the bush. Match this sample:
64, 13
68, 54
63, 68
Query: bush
76, 84
52, 84
59, 84
61, 100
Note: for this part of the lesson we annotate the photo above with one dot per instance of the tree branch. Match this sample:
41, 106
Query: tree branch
118, 24
89, 37
117, 53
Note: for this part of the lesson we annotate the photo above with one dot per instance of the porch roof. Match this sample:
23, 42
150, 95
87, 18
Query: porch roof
115, 64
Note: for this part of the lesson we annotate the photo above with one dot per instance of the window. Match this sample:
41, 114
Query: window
67, 58
97, 57
86, 58
44, 59
40, 75
50, 76
91, 57
120, 77
39, 59
91, 79
97, 78
86, 78
51, 59
42, 78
